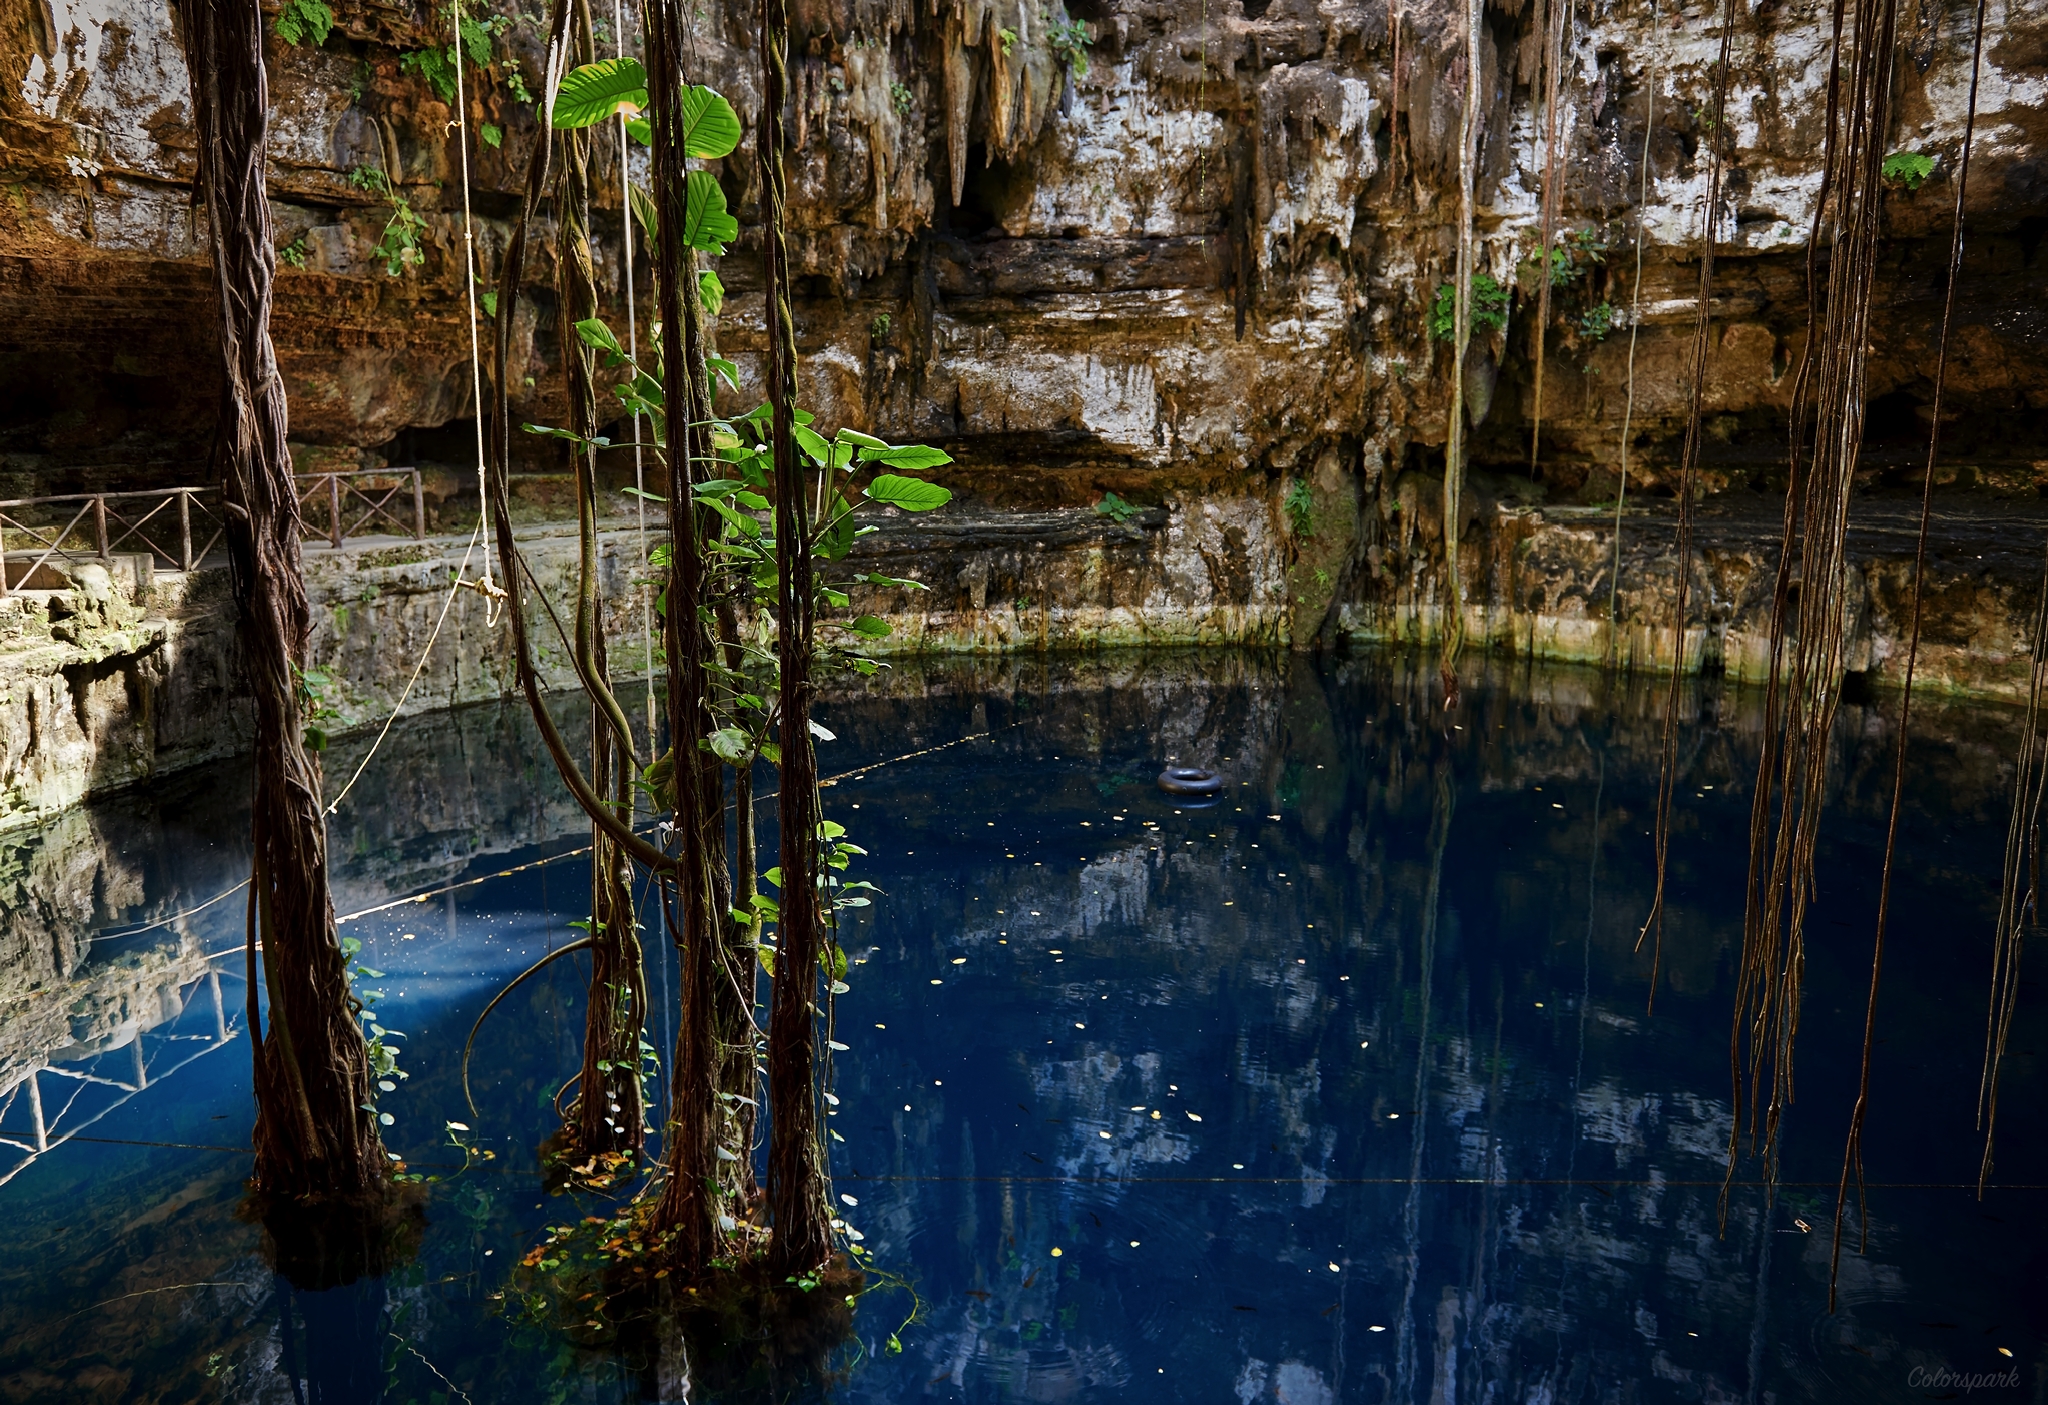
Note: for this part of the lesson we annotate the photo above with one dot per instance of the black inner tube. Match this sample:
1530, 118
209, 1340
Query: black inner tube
1189, 780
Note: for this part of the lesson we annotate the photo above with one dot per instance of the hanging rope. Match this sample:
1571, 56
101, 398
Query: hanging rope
1635, 325
489, 591
454, 588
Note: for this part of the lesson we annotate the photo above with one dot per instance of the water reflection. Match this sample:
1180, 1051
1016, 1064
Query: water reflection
1340, 1088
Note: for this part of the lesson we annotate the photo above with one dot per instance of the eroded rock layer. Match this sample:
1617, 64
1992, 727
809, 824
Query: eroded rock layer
1185, 254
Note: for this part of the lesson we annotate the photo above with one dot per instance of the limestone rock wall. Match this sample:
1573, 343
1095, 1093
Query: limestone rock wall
1179, 250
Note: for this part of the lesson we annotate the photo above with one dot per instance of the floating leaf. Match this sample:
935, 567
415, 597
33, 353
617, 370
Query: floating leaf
595, 91
910, 494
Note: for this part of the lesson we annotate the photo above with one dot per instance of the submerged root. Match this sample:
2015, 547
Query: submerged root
322, 1242
740, 1330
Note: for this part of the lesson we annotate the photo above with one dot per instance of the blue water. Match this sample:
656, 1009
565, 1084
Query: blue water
1343, 1088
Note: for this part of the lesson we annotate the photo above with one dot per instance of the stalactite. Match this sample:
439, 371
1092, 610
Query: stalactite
315, 1134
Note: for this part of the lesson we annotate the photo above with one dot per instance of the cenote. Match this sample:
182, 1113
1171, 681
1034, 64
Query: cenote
1344, 1087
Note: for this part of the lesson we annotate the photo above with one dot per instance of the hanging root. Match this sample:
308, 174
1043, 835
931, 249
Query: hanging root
1807, 666
1635, 326
1551, 62
510, 986
2011, 914
1688, 478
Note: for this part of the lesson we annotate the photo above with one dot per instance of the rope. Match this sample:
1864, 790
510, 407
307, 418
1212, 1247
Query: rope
1635, 326
489, 592
476, 364
174, 917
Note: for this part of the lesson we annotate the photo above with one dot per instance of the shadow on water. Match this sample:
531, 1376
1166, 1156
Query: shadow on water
1341, 1088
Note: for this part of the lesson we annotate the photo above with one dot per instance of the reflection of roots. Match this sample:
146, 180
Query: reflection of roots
325, 1243
740, 1333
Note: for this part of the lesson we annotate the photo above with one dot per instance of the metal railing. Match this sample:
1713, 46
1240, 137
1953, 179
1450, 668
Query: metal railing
333, 506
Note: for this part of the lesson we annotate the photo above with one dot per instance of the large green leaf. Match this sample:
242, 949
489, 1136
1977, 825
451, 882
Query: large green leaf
910, 494
911, 456
706, 224
812, 443
595, 91
710, 128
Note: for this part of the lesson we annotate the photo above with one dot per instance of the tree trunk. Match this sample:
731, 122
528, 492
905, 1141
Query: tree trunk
314, 1134
797, 1188
609, 1116
690, 1209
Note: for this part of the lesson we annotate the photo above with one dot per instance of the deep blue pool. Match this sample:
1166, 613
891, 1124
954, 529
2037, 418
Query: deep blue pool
1343, 1088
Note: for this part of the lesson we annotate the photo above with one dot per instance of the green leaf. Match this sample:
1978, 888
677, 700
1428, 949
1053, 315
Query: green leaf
730, 744
772, 877
854, 436
868, 626
640, 130
837, 540
741, 523
710, 129
728, 371
812, 443
877, 578
706, 224
910, 494
595, 91
710, 292
494, 137
491, 304
596, 334
912, 456
643, 210
304, 19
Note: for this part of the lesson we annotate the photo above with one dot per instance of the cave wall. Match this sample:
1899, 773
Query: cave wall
1189, 262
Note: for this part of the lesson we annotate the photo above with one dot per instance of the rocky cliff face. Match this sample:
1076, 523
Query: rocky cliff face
1180, 252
